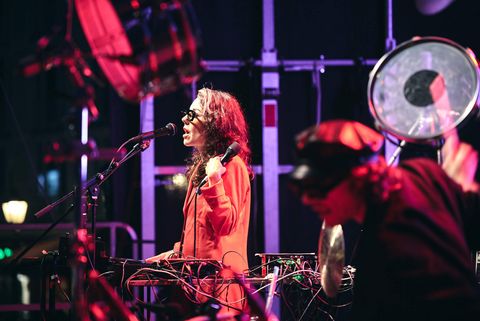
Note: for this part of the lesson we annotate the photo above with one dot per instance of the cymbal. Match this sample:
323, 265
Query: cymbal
331, 256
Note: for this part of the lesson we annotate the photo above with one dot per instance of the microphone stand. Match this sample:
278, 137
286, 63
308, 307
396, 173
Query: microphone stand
92, 187
80, 246
80, 309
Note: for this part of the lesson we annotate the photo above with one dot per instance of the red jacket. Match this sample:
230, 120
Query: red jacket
223, 214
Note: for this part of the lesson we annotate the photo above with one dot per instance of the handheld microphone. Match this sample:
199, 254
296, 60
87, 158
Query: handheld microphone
168, 130
231, 151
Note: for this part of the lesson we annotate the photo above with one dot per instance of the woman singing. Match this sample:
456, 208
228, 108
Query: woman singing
216, 219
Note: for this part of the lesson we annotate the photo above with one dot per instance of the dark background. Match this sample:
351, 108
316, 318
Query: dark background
39, 110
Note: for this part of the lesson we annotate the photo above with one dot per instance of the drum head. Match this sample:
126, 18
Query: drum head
423, 89
143, 47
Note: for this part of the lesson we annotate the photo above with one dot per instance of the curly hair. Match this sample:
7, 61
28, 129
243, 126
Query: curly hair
225, 123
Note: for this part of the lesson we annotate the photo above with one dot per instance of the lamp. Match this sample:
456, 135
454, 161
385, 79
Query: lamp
15, 211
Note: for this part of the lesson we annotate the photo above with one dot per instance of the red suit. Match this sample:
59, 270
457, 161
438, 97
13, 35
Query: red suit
222, 218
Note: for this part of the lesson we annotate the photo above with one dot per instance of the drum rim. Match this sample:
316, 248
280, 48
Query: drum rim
383, 61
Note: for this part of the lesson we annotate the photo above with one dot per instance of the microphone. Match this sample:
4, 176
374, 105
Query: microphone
169, 130
231, 151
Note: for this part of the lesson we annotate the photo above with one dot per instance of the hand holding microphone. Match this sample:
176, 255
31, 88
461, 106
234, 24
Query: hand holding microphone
214, 170
216, 166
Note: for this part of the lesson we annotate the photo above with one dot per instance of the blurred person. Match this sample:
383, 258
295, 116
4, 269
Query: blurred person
419, 227
216, 220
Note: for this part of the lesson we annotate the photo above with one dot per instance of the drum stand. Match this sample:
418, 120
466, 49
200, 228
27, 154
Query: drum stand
438, 146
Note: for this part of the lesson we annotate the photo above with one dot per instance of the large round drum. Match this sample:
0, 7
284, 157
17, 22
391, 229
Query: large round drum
423, 89
143, 47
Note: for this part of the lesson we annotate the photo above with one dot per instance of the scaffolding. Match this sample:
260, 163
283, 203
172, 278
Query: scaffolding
270, 169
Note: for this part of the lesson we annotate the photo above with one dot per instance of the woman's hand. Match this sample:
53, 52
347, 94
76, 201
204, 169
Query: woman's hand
214, 170
162, 256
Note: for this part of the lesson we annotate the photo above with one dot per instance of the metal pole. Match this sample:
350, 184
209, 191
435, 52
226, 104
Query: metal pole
270, 92
147, 159
147, 164
391, 150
